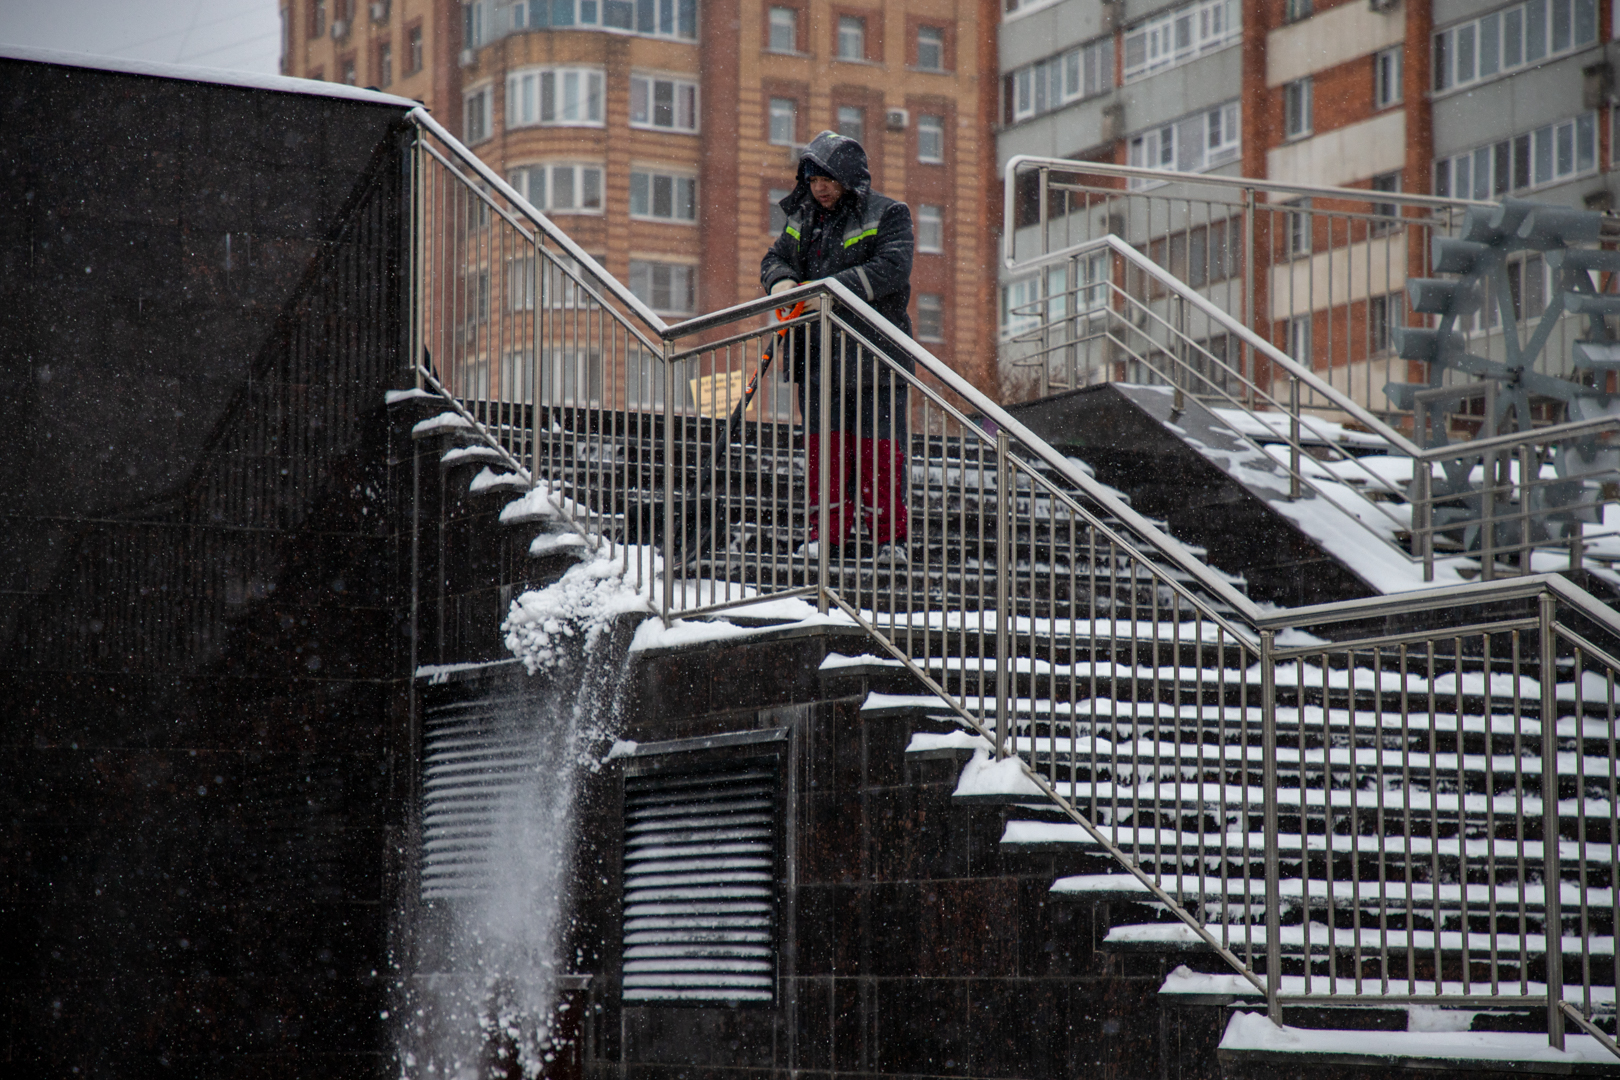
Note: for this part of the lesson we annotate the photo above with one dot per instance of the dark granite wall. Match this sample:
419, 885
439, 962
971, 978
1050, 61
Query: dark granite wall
204, 581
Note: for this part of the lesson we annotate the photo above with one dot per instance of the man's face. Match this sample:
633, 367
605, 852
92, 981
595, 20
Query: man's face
826, 190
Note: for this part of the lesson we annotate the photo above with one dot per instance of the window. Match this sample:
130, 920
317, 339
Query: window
663, 196
385, 64
554, 96
564, 188
1390, 181
1019, 7
1182, 34
658, 18
1299, 339
851, 38
317, 18
1202, 141
1054, 82
784, 30
930, 229
1384, 313
1387, 78
1297, 109
350, 75
930, 317
1514, 37
1295, 10
1547, 155
472, 25
1201, 254
416, 49
778, 216
852, 122
931, 138
930, 48
1298, 231
476, 122
784, 121
670, 104
664, 287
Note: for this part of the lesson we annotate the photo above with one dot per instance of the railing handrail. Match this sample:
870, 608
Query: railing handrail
1550, 433
1214, 311
1170, 176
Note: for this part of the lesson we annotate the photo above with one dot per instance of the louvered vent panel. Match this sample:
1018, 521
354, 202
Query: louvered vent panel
699, 893
473, 755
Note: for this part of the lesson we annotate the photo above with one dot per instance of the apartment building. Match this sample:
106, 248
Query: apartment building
1461, 98
407, 47
661, 133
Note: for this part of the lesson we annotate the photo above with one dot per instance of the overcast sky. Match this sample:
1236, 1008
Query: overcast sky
241, 35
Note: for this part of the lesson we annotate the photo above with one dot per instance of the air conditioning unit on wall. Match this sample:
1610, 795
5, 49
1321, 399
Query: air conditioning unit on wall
379, 11
468, 56
896, 119
340, 29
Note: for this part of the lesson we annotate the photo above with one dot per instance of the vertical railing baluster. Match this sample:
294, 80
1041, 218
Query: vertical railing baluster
1268, 753
1552, 868
1004, 559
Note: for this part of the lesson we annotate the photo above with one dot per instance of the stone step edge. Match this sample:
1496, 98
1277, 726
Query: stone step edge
1185, 986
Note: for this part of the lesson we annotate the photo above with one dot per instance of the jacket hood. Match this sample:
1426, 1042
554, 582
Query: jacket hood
841, 157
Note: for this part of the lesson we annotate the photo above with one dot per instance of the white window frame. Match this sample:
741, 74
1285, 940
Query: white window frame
1519, 160
1180, 35
671, 19
527, 89
930, 229
851, 38
775, 21
583, 176
1080, 72
1500, 42
791, 114
478, 115
680, 190
931, 139
643, 283
1388, 71
1297, 108
938, 46
684, 103
1198, 142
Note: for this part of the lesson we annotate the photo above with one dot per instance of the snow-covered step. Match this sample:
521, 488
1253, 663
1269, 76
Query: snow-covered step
1250, 1038
1190, 848
1204, 988
1346, 894
1320, 939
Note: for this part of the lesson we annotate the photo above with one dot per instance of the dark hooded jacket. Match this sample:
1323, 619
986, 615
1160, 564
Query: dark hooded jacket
864, 241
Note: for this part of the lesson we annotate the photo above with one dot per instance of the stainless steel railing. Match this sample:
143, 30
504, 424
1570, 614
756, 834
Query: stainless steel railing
1169, 716
1320, 272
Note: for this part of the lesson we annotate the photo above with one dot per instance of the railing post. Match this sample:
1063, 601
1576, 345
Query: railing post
1040, 189
1552, 868
1487, 517
1268, 744
1294, 488
1424, 517
669, 482
1248, 291
1529, 473
823, 526
418, 252
1004, 557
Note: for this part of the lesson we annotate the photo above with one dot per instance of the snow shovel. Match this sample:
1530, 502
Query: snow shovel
697, 527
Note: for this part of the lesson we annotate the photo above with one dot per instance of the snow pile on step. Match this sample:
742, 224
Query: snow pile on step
983, 776
445, 421
583, 603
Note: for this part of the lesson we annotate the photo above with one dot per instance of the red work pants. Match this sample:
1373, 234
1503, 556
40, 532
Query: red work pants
880, 467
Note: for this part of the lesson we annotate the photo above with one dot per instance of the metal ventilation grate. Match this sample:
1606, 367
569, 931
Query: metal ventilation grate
472, 757
699, 894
